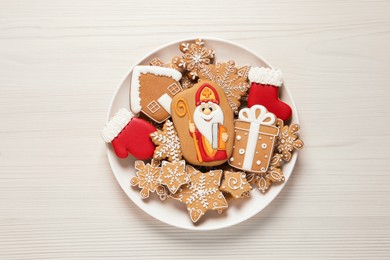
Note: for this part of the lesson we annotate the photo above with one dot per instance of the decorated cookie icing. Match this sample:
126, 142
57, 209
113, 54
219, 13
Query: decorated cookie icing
254, 139
129, 135
168, 143
232, 80
202, 193
148, 178
174, 175
152, 89
273, 175
288, 139
194, 55
204, 122
264, 90
204, 131
236, 184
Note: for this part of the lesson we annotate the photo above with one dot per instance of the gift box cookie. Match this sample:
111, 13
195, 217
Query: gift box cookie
255, 137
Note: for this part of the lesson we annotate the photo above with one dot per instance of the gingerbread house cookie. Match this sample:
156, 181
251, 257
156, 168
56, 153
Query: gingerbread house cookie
152, 89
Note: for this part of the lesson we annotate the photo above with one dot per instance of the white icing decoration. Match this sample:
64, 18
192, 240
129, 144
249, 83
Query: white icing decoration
241, 151
258, 162
135, 99
264, 145
153, 107
257, 115
204, 123
165, 101
238, 137
232, 159
266, 76
116, 124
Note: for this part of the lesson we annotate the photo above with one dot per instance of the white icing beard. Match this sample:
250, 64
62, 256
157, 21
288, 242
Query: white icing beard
205, 127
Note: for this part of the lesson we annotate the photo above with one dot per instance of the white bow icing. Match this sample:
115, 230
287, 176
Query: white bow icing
257, 114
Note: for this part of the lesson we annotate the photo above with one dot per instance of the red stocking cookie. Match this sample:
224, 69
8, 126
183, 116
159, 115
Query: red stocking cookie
264, 90
129, 135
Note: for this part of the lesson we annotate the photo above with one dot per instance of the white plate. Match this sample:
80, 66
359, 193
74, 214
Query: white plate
174, 212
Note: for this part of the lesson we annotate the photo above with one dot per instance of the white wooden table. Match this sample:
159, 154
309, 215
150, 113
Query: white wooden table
60, 62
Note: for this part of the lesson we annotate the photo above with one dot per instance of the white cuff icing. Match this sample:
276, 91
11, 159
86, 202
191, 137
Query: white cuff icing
165, 101
135, 99
116, 125
266, 76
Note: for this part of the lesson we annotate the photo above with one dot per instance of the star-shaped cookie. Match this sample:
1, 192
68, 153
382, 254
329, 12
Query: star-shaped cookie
202, 193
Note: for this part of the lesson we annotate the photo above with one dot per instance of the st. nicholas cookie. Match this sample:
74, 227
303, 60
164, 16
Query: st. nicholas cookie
202, 193
152, 89
204, 123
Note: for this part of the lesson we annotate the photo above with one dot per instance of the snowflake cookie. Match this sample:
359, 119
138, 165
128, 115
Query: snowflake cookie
232, 80
236, 184
288, 139
202, 193
174, 175
148, 178
168, 144
194, 55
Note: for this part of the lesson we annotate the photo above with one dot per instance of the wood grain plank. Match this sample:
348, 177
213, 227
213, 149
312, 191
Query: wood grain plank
60, 62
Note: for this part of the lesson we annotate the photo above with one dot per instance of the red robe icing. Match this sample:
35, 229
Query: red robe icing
217, 155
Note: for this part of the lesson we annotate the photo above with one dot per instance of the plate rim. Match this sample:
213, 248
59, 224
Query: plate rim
109, 115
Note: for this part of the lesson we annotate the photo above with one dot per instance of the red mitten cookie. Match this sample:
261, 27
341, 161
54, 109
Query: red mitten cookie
129, 135
264, 90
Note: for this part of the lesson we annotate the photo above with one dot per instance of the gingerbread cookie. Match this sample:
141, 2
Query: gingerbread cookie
148, 178
204, 123
235, 184
129, 135
202, 193
232, 80
162, 192
152, 89
273, 175
177, 63
186, 82
288, 140
194, 55
174, 175
168, 143
264, 90
254, 139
